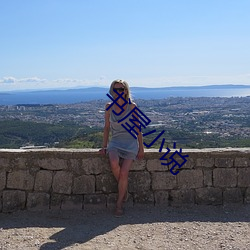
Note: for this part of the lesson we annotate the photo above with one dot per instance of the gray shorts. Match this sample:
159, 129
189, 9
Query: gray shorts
122, 153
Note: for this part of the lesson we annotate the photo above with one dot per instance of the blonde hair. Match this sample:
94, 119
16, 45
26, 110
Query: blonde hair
125, 85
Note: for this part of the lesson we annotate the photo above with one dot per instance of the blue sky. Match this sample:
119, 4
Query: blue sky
152, 43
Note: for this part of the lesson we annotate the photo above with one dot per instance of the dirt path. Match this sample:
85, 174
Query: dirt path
141, 228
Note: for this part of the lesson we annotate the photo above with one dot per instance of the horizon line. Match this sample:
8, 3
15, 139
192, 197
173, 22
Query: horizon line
107, 87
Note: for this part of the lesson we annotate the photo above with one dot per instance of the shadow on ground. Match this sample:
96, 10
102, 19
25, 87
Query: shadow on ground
82, 226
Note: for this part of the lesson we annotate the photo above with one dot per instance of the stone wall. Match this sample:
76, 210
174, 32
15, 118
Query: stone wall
81, 179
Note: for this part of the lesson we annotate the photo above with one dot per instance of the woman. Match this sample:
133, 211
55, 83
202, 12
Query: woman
122, 144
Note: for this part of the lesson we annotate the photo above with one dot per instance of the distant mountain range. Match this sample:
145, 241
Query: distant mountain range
76, 95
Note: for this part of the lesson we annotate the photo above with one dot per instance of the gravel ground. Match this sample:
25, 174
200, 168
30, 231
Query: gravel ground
142, 227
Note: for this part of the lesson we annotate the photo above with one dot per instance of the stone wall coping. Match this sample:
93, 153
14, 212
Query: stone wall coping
90, 150
149, 153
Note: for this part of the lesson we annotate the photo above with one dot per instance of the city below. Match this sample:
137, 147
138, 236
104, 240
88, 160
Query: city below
195, 122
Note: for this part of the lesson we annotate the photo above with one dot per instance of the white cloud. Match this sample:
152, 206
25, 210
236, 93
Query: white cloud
68, 80
32, 80
101, 81
8, 80
12, 80
12, 83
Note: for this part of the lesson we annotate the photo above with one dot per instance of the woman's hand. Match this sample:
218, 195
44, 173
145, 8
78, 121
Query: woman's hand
103, 151
140, 154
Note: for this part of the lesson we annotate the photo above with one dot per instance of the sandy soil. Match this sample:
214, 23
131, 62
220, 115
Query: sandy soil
140, 228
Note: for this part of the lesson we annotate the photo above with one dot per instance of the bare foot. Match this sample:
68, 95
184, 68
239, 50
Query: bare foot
125, 198
118, 212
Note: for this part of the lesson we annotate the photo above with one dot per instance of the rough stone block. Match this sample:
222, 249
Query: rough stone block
146, 197
204, 162
38, 201
52, 164
190, 164
75, 166
20, 179
208, 177
72, 202
21, 162
5, 164
181, 197
232, 195
138, 165
56, 201
84, 184
178, 161
13, 200
244, 177
190, 179
111, 200
163, 180
106, 183
139, 182
94, 201
224, 162
2, 180
247, 196
161, 198
62, 182
95, 165
208, 196
242, 162
1, 201
224, 177
43, 181
155, 165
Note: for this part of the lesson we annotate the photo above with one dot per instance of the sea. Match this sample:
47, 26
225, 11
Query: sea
72, 96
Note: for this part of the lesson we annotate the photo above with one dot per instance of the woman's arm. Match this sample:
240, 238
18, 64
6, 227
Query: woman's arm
140, 154
106, 130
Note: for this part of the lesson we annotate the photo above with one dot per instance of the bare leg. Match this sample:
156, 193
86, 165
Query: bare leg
123, 181
114, 162
121, 175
